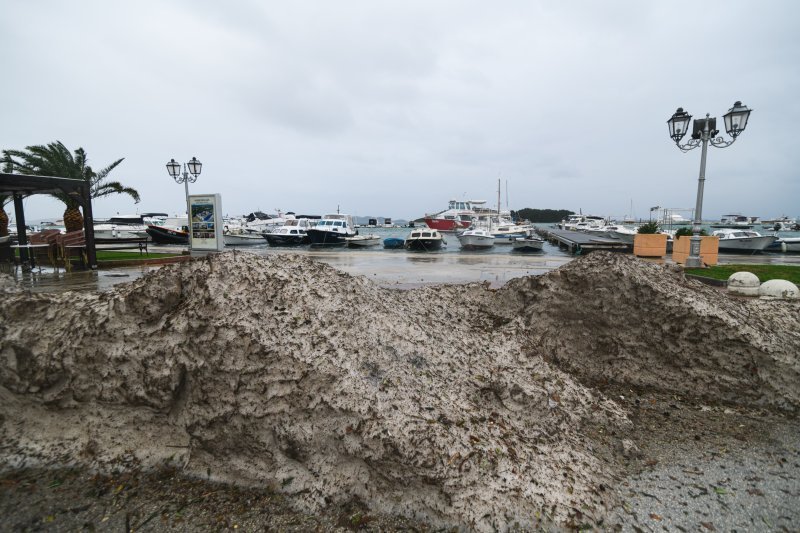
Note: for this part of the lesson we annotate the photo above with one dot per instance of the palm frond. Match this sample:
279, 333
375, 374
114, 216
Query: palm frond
55, 159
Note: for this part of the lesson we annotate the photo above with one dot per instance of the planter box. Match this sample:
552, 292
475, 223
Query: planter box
650, 244
709, 250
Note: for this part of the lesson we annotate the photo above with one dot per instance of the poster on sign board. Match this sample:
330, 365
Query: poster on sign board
206, 221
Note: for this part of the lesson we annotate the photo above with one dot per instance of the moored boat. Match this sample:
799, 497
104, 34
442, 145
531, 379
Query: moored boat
242, 239
332, 230
476, 239
121, 227
294, 232
527, 244
165, 235
174, 230
736, 221
425, 240
786, 245
393, 243
458, 215
743, 240
362, 241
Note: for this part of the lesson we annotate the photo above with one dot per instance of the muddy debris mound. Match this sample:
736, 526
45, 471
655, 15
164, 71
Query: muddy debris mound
457, 405
613, 319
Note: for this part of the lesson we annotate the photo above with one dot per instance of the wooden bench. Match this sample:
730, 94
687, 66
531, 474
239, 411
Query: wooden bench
75, 241
131, 243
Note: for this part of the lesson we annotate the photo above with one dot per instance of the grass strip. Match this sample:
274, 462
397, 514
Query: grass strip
103, 255
764, 272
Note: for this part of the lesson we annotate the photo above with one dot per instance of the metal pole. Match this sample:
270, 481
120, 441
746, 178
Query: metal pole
188, 210
693, 261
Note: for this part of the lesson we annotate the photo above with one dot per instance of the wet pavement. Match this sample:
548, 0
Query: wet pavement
392, 268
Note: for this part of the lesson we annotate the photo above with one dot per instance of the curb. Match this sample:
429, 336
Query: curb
143, 262
708, 281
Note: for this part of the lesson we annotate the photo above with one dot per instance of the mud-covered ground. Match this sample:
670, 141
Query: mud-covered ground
232, 392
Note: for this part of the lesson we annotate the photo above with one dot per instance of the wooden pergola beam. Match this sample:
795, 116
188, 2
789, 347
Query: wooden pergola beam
21, 185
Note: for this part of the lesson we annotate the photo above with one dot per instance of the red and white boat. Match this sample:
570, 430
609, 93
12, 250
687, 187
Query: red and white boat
458, 216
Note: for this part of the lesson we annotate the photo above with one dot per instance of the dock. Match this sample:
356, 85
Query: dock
578, 242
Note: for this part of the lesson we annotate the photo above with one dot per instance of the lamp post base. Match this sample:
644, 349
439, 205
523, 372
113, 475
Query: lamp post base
693, 262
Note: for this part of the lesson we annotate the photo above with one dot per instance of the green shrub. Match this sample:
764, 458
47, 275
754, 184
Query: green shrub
687, 232
649, 227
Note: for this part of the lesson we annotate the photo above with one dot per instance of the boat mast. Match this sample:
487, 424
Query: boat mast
498, 199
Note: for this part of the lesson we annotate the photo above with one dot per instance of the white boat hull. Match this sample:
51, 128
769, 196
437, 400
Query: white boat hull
244, 239
476, 242
790, 244
120, 232
746, 244
528, 244
362, 241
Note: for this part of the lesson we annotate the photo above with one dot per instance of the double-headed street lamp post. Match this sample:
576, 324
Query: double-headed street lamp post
174, 169
704, 132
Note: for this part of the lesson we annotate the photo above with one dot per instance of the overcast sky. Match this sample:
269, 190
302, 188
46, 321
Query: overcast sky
391, 108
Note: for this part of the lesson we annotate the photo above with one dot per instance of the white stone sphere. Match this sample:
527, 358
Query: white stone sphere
744, 283
779, 288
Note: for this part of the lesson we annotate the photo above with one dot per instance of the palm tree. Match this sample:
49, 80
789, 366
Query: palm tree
55, 159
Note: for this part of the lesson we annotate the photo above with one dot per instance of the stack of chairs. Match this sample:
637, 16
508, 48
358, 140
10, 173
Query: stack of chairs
48, 236
68, 244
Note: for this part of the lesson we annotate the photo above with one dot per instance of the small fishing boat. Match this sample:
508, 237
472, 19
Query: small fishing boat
425, 240
242, 239
476, 239
292, 233
332, 230
527, 244
362, 241
174, 230
393, 243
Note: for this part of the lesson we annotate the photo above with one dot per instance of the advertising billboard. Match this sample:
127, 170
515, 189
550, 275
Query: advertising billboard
206, 222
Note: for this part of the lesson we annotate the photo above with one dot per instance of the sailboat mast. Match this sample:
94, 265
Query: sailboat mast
498, 199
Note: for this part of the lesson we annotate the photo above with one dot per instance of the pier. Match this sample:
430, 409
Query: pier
578, 242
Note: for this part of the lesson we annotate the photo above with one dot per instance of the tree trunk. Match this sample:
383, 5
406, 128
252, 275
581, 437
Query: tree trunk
73, 220
3, 222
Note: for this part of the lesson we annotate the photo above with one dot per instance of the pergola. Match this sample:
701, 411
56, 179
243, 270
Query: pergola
21, 185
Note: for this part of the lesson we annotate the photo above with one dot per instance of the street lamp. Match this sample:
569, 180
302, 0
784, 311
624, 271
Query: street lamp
704, 131
174, 169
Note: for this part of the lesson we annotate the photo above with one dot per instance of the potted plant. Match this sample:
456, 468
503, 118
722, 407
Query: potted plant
649, 242
709, 246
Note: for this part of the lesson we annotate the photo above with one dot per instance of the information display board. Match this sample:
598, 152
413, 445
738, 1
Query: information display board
206, 222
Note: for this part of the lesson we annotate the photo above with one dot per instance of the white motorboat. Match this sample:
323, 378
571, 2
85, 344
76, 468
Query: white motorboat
233, 238
619, 232
783, 223
292, 233
786, 244
121, 227
736, 221
362, 241
743, 240
527, 244
476, 239
425, 240
581, 222
504, 230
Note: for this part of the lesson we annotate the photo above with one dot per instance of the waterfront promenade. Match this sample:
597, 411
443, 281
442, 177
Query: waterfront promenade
390, 268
